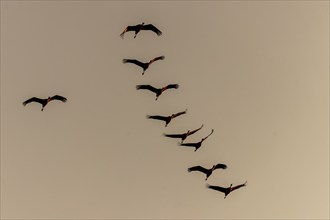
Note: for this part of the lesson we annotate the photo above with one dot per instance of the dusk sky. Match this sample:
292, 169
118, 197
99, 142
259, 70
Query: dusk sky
257, 72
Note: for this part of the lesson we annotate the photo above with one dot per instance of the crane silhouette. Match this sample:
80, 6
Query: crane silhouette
227, 190
184, 135
44, 102
137, 28
167, 119
196, 145
144, 66
157, 91
208, 172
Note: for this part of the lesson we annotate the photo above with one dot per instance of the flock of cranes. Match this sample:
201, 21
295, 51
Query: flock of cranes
167, 119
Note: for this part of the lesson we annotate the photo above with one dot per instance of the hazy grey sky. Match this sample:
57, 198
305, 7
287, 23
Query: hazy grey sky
257, 72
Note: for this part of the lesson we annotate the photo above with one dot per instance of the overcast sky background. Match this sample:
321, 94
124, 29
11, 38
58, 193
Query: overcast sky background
257, 72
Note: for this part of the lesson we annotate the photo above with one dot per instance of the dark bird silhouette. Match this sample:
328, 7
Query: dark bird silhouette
196, 145
44, 102
158, 91
139, 27
144, 66
227, 190
167, 119
184, 135
208, 172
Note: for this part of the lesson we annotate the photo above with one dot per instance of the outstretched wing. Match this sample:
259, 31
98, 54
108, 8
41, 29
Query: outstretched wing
218, 188
179, 113
194, 131
173, 135
148, 87
58, 97
188, 144
171, 86
136, 62
220, 166
157, 58
33, 99
157, 117
238, 186
209, 134
128, 28
198, 168
151, 28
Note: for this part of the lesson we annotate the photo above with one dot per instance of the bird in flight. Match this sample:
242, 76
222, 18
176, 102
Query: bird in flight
227, 190
157, 91
196, 145
184, 135
137, 28
208, 172
44, 102
167, 119
144, 66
